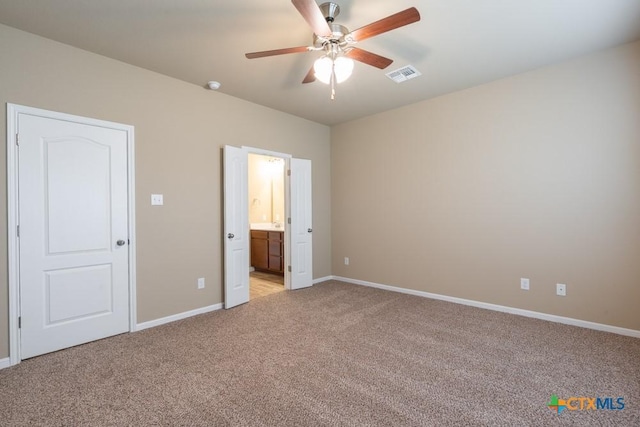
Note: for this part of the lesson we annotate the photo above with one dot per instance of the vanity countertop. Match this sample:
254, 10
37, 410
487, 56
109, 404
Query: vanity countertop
267, 226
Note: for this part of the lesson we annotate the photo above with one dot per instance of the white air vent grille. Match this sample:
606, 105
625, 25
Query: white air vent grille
403, 74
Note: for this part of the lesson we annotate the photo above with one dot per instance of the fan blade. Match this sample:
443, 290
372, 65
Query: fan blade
311, 13
389, 23
264, 53
310, 77
369, 58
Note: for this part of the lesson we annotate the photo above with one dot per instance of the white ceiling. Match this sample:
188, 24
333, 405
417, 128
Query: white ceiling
456, 45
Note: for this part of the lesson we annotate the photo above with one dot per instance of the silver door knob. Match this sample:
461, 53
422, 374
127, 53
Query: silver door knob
309, 230
231, 235
120, 242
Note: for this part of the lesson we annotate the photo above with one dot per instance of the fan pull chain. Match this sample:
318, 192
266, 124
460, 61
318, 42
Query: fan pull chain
333, 80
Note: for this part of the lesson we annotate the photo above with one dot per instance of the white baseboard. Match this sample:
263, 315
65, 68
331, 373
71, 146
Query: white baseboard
322, 279
5, 363
518, 311
179, 316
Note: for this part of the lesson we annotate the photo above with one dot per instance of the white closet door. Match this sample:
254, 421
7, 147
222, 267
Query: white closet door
73, 233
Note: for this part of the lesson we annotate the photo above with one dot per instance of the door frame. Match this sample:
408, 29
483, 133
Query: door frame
13, 112
287, 207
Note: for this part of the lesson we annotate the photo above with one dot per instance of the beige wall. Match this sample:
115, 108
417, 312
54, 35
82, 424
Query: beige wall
534, 176
179, 129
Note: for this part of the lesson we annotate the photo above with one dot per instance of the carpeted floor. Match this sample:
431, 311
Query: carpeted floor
334, 354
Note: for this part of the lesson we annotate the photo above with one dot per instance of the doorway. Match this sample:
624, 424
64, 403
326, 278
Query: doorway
71, 260
266, 187
296, 239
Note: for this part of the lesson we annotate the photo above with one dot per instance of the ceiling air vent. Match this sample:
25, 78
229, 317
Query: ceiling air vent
403, 74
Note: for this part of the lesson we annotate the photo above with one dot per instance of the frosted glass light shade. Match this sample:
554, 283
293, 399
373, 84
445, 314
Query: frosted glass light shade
343, 68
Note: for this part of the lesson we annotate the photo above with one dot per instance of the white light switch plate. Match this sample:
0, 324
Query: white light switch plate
157, 200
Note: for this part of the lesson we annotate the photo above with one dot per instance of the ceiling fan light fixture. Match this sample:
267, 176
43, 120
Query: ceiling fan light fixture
337, 42
342, 66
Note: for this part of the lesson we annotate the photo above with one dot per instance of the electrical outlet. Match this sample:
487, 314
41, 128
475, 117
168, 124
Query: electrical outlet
201, 283
524, 284
561, 289
346, 260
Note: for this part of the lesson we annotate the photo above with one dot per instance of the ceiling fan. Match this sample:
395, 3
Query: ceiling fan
337, 42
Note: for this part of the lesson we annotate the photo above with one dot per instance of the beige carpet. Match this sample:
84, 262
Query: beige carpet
334, 354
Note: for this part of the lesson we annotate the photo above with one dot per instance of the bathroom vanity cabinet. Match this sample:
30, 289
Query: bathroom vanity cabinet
267, 251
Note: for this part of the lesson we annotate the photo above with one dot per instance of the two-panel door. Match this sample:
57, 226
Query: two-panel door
73, 233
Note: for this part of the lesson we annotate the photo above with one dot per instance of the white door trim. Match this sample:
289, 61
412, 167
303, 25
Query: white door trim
252, 150
13, 111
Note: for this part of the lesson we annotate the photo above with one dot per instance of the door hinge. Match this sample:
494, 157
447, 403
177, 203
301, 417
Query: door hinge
288, 172
289, 268
19, 322
288, 220
18, 230
18, 139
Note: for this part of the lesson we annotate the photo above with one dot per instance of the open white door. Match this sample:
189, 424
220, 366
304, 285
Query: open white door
301, 224
236, 227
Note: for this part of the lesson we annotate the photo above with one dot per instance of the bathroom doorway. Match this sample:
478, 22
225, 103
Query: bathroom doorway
267, 224
297, 237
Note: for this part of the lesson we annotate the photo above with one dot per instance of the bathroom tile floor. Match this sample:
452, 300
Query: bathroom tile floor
262, 284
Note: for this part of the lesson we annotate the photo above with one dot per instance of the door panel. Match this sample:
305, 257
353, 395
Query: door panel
259, 253
70, 201
301, 225
74, 284
78, 293
236, 227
